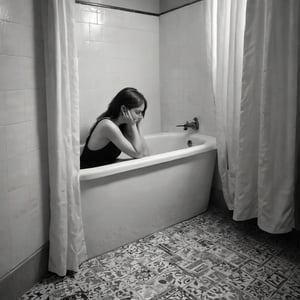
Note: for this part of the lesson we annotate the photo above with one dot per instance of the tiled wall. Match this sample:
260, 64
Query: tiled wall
117, 49
167, 5
185, 85
142, 5
23, 136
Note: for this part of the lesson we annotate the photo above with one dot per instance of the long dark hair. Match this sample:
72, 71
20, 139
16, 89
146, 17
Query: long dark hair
129, 97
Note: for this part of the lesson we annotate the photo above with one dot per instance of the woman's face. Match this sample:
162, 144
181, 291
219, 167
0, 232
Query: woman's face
137, 113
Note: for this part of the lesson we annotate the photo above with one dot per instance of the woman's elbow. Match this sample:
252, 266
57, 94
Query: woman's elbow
141, 154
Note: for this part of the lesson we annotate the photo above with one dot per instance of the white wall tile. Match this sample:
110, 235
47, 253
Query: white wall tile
16, 139
27, 234
17, 73
90, 8
112, 18
96, 33
14, 108
5, 228
16, 39
123, 51
37, 134
2, 109
88, 17
23, 135
144, 5
82, 33
185, 84
112, 35
35, 104
22, 105
3, 164
17, 171
21, 12
19, 204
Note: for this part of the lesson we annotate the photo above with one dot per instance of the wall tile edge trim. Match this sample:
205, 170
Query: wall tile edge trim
84, 2
178, 7
90, 3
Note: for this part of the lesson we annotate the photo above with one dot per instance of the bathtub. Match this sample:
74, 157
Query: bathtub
133, 198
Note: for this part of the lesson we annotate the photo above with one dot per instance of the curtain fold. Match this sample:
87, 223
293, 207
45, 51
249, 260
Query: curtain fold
225, 22
67, 245
268, 115
252, 50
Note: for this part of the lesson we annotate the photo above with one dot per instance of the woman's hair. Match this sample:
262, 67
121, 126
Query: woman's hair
129, 97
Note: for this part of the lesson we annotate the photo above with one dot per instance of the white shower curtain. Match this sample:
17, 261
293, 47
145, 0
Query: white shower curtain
67, 245
225, 22
255, 86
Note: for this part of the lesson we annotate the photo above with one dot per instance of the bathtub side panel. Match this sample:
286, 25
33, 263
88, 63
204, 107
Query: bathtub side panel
121, 208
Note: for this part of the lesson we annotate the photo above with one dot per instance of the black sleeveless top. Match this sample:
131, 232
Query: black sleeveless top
95, 158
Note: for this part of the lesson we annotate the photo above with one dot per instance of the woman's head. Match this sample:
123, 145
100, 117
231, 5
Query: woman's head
130, 98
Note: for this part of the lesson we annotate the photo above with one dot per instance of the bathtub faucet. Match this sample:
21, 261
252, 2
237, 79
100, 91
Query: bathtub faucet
193, 124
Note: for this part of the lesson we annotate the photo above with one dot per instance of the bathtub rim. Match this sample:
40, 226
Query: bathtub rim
133, 164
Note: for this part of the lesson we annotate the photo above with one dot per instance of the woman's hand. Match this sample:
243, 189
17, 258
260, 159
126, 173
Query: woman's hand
127, 117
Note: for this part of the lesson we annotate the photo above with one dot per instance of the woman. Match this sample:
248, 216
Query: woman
116, 130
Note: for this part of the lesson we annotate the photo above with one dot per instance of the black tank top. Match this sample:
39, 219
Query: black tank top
95, 158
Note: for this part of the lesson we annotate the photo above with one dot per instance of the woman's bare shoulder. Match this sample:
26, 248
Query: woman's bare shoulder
108, 127
108, 124
103, 132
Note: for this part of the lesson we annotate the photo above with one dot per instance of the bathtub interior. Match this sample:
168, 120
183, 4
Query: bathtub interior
168, 141
163, 147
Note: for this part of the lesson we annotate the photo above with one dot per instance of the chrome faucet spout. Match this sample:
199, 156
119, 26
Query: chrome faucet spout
183, 125
193, 124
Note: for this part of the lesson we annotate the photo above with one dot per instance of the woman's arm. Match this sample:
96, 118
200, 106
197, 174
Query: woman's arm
144, 144
135, 137
145, 147
130, 144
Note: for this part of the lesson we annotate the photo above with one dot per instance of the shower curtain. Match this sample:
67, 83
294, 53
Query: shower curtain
67, 245
252, 51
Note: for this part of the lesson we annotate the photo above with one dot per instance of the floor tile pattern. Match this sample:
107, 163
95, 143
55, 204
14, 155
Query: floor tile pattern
207, 257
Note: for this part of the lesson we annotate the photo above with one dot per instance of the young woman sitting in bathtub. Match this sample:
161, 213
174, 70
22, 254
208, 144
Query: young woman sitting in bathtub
116, 130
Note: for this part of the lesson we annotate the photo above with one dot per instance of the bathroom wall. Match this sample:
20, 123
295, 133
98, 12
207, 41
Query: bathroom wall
23, 138
150, 6
167, 5
116, 49
185, 85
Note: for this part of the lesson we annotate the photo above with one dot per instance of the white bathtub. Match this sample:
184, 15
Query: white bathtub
132, 198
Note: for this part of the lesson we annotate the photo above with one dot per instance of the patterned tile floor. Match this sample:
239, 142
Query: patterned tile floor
207, 257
